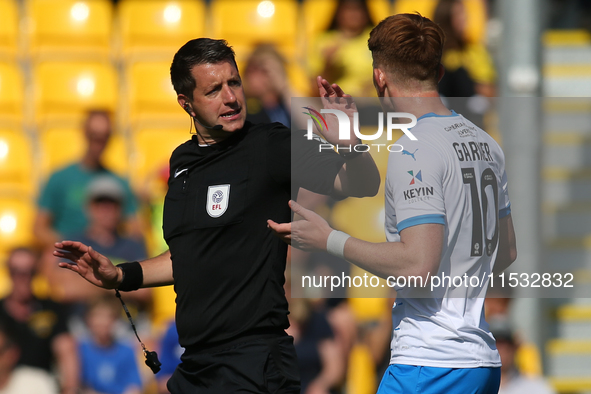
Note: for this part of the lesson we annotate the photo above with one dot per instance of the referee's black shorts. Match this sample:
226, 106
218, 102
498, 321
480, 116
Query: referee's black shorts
265, 364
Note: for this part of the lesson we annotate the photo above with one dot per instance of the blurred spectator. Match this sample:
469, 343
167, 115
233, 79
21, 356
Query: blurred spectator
39, 325
469, 69
340, 54
512, 381
266, 86
322, 364
170, 356
61, 202
104, 198
498, 302
497, 307
108, 366
20, 380
569, 14
163, 304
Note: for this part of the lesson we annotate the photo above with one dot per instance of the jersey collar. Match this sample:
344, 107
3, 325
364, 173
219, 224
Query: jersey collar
434, 115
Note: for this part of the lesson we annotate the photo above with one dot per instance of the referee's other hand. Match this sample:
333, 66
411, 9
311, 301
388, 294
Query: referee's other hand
88, 263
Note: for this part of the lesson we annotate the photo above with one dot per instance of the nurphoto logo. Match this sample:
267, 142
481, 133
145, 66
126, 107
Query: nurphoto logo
344, 122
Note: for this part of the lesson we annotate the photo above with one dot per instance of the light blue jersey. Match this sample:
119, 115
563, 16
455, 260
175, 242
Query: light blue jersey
453, 175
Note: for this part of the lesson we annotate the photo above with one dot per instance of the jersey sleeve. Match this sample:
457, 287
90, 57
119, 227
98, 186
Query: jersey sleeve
415, 184
504, 203
298, 162
504, 206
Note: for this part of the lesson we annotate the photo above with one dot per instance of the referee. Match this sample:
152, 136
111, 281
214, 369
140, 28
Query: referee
227, 267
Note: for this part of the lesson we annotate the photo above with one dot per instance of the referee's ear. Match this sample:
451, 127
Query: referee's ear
182, 100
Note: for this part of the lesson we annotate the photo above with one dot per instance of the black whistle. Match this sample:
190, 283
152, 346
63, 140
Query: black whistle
152, 361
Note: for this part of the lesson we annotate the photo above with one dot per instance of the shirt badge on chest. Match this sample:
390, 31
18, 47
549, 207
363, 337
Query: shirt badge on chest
217, 200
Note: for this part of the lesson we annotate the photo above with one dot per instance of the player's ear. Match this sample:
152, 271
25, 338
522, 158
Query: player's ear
379, 81
440, 72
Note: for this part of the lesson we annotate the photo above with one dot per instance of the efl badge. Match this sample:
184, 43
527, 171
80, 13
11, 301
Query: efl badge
217, 200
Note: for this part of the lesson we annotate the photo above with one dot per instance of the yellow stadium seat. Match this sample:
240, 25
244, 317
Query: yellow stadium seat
163, 307
361, 370
477, 17
476, 10
152, 148
17, 174
74, 28
379, 10
61, 146
370, 225
246, 23
424, 7
156, 29
369, 309
317, 15
16, 222
116, 156
299, 80
11, 94
8, 29
66, 90
150, 94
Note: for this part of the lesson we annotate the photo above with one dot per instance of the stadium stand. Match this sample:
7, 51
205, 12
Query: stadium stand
379, 9
64, 91
17, 174
475, 9
152, 148
54, 153
156, 29
9, 21
249, 22
57, 29
12, 92
16, 221
316, 16
150, 96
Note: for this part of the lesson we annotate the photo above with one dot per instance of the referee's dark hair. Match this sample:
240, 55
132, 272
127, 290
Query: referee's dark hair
193, 53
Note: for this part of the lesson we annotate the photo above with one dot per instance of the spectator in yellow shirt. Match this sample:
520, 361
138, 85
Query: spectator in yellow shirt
340, 54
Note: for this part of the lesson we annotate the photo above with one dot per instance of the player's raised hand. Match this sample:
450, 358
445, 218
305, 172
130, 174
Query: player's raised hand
88, 263
333, 97
308, 234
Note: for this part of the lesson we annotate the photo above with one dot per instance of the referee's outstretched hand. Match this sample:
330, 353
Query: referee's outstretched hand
309, 234
88, 263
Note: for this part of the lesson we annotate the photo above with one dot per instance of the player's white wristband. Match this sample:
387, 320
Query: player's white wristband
335, 244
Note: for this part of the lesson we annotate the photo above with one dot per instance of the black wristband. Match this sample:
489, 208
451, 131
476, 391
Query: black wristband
133, 276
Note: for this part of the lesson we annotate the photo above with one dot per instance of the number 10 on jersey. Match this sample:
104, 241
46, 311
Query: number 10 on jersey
480, 210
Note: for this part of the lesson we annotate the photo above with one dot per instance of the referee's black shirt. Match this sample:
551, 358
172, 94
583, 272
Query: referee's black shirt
229, 269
